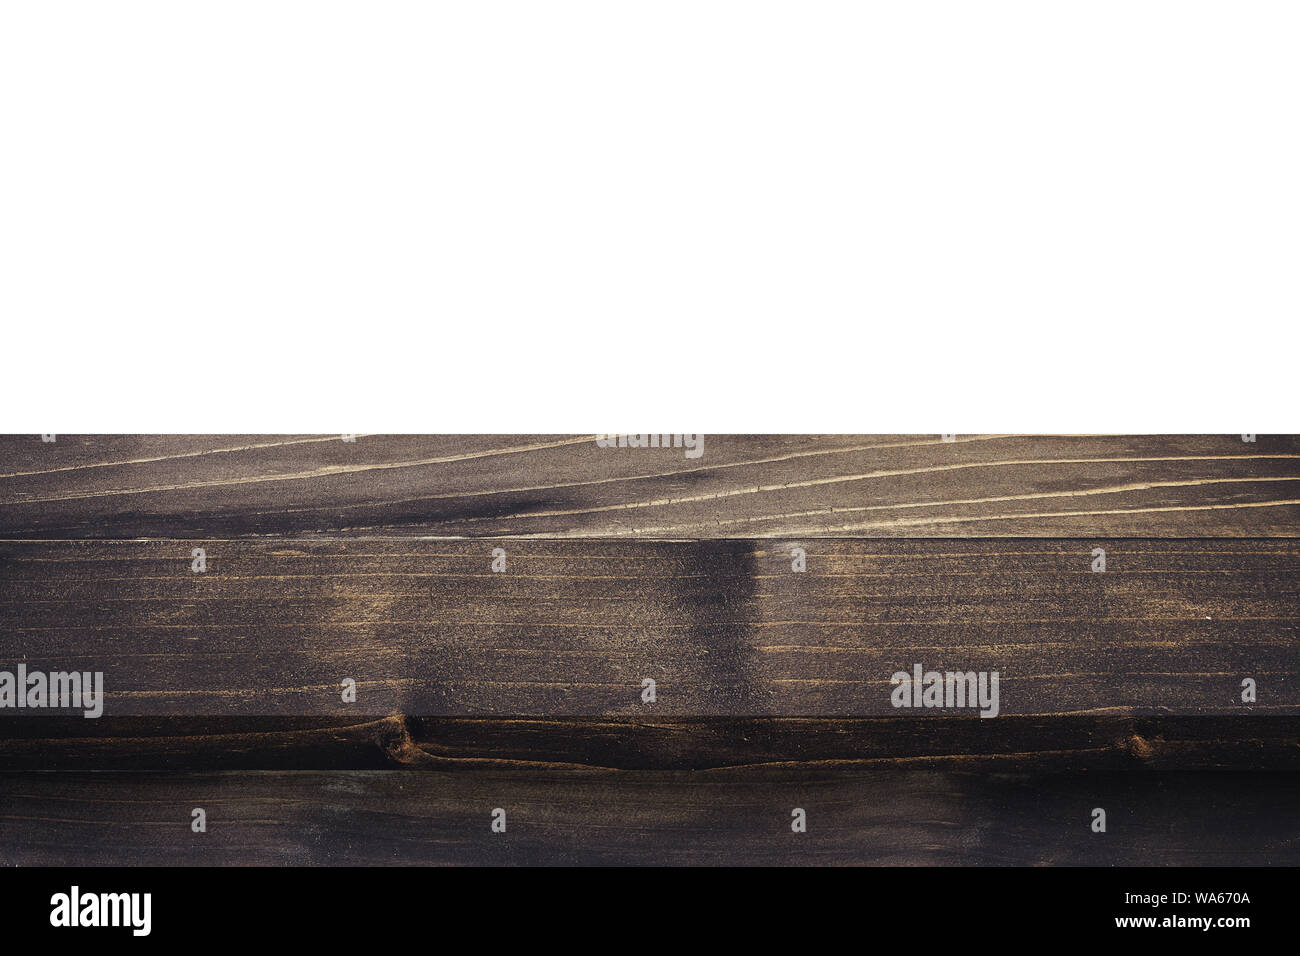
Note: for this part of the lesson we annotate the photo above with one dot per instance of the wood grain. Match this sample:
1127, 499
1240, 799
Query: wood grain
468, 744
885, 817
372, 560
725, 628
743, 486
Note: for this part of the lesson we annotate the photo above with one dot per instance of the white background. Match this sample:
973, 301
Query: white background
599, 216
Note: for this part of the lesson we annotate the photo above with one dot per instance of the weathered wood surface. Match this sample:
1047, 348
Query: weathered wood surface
371, 559
744, 486
881, 817
725, 628
1241, 742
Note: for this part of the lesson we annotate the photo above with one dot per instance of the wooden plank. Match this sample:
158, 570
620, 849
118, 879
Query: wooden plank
749, 486
1021, 744
882, 817
725, 628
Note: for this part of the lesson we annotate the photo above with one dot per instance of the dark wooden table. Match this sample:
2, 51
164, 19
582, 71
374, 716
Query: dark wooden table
523, 689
